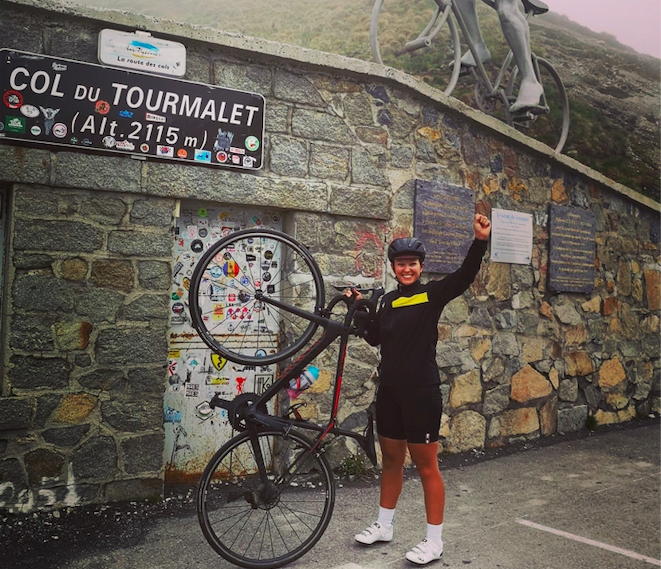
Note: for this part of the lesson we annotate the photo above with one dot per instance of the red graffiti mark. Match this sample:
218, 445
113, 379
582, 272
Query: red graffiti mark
370, 240
239, 384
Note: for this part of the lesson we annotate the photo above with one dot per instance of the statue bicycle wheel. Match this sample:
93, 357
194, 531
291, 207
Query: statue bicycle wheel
393, 43
242, 291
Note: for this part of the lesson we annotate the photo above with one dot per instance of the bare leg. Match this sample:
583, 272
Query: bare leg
392, 475
468, 12
517, 33
426, 462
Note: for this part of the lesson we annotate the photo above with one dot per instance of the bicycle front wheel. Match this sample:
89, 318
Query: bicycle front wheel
223, 304
265, 521
551, 128
438, 62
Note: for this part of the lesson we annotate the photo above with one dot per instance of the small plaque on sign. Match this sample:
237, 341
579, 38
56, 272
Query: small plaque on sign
142, 52
572, 249
443, 221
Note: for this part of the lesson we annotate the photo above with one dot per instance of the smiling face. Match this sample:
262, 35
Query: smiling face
407, 270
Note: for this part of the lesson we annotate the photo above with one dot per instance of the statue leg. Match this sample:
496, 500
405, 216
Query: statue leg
517, 33
468, 12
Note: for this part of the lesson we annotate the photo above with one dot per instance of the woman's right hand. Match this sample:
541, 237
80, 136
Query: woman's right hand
352, 292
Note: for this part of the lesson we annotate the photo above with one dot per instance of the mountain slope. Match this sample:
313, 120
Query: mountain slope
613, 91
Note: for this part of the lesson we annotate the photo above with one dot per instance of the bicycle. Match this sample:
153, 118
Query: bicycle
267, 495
547, 122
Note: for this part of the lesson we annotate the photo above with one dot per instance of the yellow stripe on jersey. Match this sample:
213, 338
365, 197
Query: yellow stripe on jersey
410, 300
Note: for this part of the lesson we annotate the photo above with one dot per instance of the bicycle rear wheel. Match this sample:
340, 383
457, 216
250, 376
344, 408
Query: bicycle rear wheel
227, 315
390, 31
551, 128
260, 522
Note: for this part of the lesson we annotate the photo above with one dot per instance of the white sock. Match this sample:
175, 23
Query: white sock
435, 533
386, 516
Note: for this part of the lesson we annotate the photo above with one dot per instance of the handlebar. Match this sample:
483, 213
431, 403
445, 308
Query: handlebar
358, 307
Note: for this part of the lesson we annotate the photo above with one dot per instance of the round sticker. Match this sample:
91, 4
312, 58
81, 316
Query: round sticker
221, 157
268, 254
202, 212
266, 277
102, 107
252, 143
144, 147
215, 271
59, 130
181, 153
13, 99
202, 232
186, 283
30, 111
197, 246
35, 130
177, 308
108, 141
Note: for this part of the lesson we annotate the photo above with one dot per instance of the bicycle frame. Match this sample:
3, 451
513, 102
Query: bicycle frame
332, 330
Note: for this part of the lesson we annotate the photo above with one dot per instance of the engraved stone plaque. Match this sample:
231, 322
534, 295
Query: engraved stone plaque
572, 249
443, 221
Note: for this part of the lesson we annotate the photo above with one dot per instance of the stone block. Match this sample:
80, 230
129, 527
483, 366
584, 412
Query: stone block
653, 288
548, 417
467, 432
74, 236
480, 317
372, 135
14, 481
112, 273
568, 390
296, 88
24, 165
32, 261
572, 419
74, 269
496, 400
611, 373
528, 384
148, 380
103, 209
522, 421
95, 459
505, 344
72, 335
567, 314
466, 389
44, 465
152, 212
143, 453
329, 162
448, 355
29, 372
578, 364
401, 156
140, 244
46, 404
287, 194
498, 281
289, 157
154, 275
75, 408
16, 413
358, 110
65, 436
320, 126
31, 333
74, 42
31, 202
506, 319
102, 379
455, 311
365, 168
356, 202
94, 172
138, 489
479, 348
130, 346
146, 307
98, 304
277, 118
133, 416
251, 78
42, 293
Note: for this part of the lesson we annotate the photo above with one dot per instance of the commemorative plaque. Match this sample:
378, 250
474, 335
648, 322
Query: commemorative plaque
59, 102
572, 249
443, 221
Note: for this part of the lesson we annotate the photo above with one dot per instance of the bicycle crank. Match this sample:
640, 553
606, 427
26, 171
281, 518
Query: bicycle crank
484, 100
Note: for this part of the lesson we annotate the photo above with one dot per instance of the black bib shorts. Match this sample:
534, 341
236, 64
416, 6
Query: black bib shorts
410, 415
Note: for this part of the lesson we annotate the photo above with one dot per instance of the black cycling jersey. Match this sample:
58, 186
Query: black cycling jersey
406, 324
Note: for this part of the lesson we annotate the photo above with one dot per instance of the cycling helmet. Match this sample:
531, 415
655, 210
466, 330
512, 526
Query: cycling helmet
411, 246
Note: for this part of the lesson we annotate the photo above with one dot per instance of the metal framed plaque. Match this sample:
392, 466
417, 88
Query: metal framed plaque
59, 102
572, 249
443, 221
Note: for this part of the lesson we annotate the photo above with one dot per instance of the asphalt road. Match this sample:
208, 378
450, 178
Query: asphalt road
590, 502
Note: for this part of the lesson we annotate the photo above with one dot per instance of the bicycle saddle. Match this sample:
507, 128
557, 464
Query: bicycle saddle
535, 6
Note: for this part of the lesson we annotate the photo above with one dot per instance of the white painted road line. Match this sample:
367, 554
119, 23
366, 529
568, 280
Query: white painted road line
626, 552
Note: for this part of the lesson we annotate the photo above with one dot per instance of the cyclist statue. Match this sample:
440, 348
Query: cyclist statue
517, 33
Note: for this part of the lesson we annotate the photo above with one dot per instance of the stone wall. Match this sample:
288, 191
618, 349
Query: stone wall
90, 263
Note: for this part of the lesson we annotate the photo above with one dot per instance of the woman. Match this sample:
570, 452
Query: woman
409, 404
